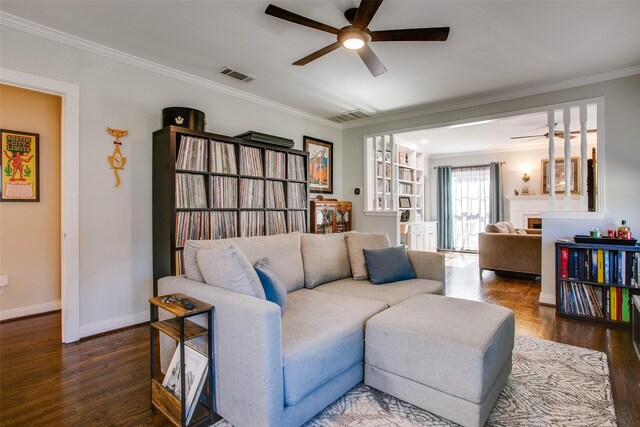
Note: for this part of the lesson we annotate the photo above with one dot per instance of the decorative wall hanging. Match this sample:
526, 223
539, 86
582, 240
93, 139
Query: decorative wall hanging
320, 164
558, 177
20, 161
116, 160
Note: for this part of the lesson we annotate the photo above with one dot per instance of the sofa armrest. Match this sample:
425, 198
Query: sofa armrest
533, 230
428, 265
248, 352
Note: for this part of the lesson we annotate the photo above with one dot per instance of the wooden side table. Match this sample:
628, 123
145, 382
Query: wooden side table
183, 331
635, 323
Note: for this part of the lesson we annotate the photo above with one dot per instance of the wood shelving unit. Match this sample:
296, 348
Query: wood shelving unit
184, 332
229, 173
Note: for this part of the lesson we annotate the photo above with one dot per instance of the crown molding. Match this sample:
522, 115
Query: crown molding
48, 33
496, 97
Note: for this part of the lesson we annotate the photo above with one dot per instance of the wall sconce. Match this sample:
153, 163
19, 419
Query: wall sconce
525, 189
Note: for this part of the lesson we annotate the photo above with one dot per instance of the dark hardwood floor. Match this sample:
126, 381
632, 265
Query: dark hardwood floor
103, 381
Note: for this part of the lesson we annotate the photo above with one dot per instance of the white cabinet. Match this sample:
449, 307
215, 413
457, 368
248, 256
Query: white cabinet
420, 236
431, 236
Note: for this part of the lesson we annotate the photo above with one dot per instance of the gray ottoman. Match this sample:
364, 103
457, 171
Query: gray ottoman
449, 356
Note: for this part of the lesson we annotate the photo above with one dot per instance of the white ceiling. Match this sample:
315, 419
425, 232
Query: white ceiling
493, 47
496, 135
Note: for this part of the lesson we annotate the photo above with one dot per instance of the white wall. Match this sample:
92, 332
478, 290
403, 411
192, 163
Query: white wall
115, 223
621, 147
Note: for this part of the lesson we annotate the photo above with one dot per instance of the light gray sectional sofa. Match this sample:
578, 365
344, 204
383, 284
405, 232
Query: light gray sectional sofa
281, 370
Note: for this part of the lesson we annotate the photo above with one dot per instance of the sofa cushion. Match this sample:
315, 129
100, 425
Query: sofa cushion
228, 268
389, 293
498, 227
324, 258
274, 290
282, 249
322, 336
388, 265
356, 242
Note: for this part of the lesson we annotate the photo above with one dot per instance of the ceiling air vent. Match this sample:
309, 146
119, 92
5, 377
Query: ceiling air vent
235, 75
349, 115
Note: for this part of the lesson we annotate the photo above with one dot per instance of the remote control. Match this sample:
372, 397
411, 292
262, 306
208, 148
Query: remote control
186, 303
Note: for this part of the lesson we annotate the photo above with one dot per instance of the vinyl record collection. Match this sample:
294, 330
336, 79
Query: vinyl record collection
190, 191
225, 224
223, 158
192, 154
192, 226
224, 188
296, 168
275, 164
276, 223
297, 221
250, 161
251, 193
274, 197
297, 195
252, 223
224, 192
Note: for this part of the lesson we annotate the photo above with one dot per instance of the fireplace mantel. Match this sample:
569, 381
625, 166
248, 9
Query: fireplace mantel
520, 208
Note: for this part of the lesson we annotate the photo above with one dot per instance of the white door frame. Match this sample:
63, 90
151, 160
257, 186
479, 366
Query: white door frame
69, 190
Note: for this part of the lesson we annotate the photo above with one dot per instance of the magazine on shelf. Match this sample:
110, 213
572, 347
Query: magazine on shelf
195, 366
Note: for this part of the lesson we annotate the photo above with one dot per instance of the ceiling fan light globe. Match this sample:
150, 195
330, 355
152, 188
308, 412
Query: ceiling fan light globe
353, 43
352, 38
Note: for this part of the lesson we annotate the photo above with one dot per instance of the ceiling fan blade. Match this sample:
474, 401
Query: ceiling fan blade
278, 12
577, 132
365, 13
317, 54
371, 61
528, 136
412, 34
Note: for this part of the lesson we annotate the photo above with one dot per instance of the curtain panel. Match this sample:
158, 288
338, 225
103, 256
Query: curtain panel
444, 207
496, 194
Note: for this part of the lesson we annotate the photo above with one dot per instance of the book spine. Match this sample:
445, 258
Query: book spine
564, 262
613, 303
625, 305
600, 266
607, 270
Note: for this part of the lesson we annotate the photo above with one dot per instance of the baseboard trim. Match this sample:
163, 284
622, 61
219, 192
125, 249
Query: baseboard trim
30, 310
115, 323
547, 299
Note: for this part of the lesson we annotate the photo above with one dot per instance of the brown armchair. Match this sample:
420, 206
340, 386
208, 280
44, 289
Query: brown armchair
519, 251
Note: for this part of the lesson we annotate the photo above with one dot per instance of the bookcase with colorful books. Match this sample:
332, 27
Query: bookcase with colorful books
596, 282
209, 186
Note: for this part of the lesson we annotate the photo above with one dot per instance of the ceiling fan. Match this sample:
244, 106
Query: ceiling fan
557, 134
357, 36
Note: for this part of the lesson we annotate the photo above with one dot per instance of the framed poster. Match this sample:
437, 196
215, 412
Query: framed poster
559, 178
320, 164
20, 173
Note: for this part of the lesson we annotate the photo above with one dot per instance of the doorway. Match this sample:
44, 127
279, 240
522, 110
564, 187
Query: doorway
69, 191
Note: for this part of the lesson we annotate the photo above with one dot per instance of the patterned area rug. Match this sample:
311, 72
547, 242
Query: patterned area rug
550, 384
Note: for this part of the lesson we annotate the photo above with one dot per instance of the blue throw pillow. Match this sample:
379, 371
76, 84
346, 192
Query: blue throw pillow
274, 289
388, 265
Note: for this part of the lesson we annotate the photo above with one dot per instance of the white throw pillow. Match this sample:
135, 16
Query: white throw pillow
356, 242
227, 267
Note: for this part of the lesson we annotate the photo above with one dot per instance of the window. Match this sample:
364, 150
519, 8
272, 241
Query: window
470, 197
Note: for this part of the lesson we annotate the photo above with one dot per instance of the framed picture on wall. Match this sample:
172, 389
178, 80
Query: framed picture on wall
20, 160
320, 164
559, 178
